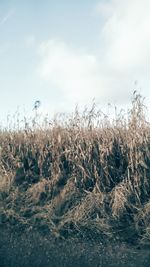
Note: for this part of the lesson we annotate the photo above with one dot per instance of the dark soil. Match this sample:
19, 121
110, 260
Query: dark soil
24, 249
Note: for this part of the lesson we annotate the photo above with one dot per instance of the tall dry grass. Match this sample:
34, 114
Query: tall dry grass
84, 175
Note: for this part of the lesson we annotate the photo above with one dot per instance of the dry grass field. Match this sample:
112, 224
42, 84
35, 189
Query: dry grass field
84, 177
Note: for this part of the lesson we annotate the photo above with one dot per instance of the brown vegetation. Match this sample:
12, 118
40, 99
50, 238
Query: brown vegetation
86, 176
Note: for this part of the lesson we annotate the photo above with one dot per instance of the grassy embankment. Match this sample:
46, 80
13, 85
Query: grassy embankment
79, 178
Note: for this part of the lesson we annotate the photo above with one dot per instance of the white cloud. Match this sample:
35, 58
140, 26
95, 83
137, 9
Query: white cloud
74, 72
126, 33
108, 75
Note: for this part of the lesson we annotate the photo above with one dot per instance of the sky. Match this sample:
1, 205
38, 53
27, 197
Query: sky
65, 53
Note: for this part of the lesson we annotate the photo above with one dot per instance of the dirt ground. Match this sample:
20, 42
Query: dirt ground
36, 250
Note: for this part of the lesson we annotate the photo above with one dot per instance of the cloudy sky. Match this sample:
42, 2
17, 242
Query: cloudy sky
66, 52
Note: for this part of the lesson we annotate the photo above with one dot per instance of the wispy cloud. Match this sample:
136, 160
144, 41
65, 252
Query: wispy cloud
6, 17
